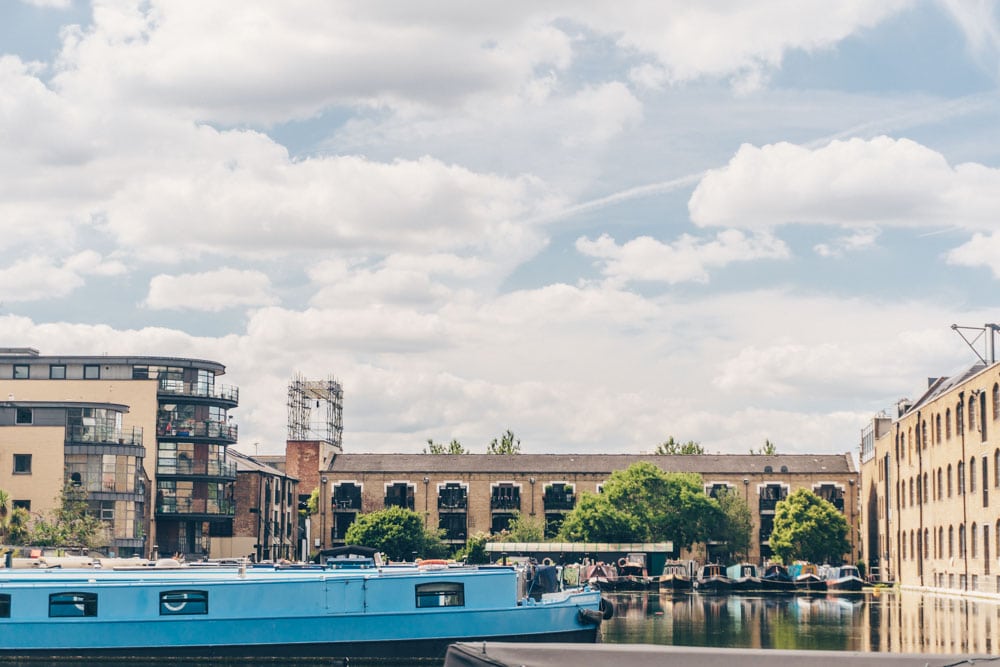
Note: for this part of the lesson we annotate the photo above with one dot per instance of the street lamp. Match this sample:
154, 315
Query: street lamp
323, 500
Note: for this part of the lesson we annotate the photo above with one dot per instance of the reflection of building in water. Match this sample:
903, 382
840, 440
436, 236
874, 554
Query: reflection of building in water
930, 489
914, 622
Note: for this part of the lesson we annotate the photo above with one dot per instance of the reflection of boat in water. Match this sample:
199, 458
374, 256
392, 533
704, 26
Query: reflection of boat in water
843, 579
676, 576
353, 608
743, 577
712, 579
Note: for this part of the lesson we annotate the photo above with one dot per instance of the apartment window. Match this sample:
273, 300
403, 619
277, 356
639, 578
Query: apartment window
22, 464
72, 604
91, 372
57, 372
178, 603
22, 504
972, 475
23, 416
21, 371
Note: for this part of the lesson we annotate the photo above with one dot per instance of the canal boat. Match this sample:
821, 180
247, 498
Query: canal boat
807, 578
777, 579
356, 609
676, 576
843, 579
712, 579
743, 577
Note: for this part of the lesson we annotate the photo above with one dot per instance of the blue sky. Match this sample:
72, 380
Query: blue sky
596, 226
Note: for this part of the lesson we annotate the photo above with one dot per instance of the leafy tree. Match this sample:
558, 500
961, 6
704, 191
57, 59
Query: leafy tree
809, 528
474, 551
312, 505
736, 528
70, 524
767, 449
18, 526
671, 447
4, 501
508, 444
398, 532
595, 519
523, 529
453, 447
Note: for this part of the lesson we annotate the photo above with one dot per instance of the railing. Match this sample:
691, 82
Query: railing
448, 503
346, 503
396, 501
195, 506
193, 467
768, 504
181, 388
505, 503
104, 435
197, 429
559, 501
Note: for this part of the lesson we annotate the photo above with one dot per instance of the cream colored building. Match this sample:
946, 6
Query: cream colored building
931, 486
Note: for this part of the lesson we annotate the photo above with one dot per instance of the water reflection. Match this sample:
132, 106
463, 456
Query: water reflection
887, 621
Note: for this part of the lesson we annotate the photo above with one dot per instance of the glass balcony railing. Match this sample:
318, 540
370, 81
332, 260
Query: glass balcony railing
104, 435
197, 429
193, 467
181, 388
195, 506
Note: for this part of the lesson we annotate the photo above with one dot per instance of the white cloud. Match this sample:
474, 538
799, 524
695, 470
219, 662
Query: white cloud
36, 278
55, 4
853, 183
982, 250
689, 259
211, 291
847, 244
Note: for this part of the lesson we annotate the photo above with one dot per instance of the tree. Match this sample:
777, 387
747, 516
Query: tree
809, 528
4, 500
397, 532
70, 524
474, 552
737, 524
671, 447
453, 447
523, 528
768, 449
594, 519
312, 505
507, 445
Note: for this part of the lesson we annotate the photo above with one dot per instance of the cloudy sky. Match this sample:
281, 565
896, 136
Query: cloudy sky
595, 224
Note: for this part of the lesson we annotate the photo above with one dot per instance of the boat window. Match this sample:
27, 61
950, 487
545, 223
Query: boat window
175, 603
72, 604
441, 594
4, 605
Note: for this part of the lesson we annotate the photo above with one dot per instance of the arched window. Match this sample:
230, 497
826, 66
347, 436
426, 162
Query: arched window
947, 424
923, 434
937, 429
996, 467
927, 546
940, 542
949, 480
961, 540
972, 475
986, 548
961, 478
996, 402
940, 490
913, 547
903, 547
951, 541
972, 414
911, 491
958, 420
975, 540
927, 497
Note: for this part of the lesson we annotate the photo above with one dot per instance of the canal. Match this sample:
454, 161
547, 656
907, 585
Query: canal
876, 621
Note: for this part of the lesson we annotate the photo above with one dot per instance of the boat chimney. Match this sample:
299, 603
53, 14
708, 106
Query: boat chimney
243, 568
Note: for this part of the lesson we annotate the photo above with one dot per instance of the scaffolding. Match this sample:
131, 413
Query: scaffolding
315, 410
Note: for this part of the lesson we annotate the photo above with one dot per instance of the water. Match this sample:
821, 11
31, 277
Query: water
878, 621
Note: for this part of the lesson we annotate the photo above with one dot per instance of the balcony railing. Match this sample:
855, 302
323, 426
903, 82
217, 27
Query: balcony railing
193, 467
453, 503
346, 503
560, 501
104, 435
181, 388
195, 506
197, 429
768, 504
505, 503
396, 501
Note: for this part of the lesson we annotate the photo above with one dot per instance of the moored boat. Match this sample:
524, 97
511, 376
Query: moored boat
743, 577
843, 579
776, 579
807, 578
712, 579
676, 576
362, 610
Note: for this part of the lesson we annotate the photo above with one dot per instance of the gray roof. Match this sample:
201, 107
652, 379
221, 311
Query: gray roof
589, 463
246, 463
940, 386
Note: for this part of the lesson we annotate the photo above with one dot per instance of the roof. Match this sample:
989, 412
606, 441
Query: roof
943, 385
706, 464
246, 463
20, 356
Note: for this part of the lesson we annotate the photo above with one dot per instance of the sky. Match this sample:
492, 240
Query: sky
598, 225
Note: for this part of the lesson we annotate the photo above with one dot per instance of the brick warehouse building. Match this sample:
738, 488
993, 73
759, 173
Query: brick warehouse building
469, 493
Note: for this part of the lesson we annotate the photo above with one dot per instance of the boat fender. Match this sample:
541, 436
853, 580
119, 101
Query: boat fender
590, 616
607, 608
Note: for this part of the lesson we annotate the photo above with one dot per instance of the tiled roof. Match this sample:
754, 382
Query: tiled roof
705, 464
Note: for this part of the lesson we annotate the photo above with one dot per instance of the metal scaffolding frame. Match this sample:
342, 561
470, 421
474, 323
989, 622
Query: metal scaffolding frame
315, 410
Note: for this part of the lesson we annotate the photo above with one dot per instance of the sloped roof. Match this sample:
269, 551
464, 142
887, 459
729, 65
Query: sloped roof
246, 463
943, 385
588, 463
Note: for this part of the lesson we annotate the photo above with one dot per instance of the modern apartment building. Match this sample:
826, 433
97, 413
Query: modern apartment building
469, 493
183, 416
930, 485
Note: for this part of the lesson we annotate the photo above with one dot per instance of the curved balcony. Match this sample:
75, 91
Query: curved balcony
208, 430
223, 393
192, 469
99, 435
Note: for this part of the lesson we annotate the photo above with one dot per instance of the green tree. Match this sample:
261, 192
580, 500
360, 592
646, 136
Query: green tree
523, 529
508, 444
397, 532
70, 524
595, 519
671, 447
453, 447
736, 528
4, 512
809, 528
767, 449
474, 551
312, 505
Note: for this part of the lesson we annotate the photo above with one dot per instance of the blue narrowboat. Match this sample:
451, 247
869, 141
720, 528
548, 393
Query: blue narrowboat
321, 610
